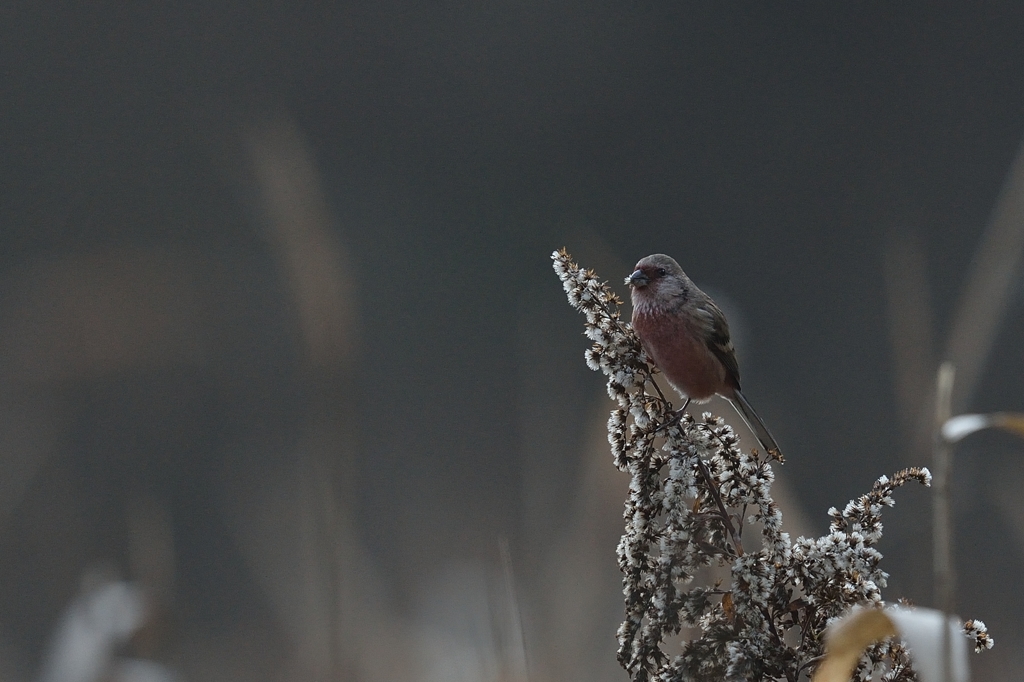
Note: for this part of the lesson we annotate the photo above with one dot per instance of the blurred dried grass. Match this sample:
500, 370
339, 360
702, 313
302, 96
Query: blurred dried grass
546, 609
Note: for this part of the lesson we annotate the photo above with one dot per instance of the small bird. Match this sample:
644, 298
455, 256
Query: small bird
687, 337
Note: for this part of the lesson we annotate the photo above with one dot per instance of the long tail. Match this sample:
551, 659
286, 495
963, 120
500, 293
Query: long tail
754, 422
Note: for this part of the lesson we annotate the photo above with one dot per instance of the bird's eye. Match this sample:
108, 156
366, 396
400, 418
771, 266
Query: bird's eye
662, 272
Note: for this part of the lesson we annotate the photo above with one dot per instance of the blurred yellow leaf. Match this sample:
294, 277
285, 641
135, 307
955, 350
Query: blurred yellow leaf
846, 641
1010, 421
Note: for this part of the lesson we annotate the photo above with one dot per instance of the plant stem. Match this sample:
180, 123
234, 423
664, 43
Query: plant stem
942, 513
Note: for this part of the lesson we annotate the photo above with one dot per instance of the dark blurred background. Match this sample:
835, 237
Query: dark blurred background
280, 342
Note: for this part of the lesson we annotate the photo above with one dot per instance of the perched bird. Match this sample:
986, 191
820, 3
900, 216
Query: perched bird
687, 337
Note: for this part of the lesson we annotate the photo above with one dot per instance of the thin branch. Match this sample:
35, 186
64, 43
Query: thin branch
720, 504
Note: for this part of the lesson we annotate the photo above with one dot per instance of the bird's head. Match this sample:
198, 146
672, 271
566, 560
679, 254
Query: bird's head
654, 274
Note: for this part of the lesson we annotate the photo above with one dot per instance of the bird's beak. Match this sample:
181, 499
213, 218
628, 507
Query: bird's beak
637, 279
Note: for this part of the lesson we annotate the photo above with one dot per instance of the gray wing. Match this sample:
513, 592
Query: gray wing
719, 341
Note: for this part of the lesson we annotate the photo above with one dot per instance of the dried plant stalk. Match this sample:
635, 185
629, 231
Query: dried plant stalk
692, 492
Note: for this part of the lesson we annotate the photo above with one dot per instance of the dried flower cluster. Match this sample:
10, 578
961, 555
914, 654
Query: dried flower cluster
692, 490
978, 633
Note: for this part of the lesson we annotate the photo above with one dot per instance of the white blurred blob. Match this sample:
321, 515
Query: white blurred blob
454, 639
463, 628
141, 670
963, 425
103, 617
921, 630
